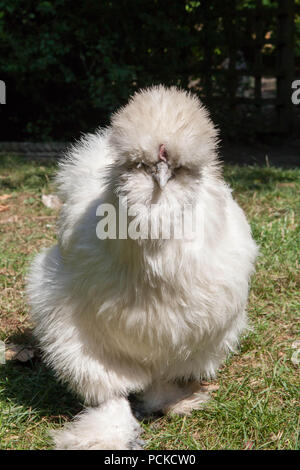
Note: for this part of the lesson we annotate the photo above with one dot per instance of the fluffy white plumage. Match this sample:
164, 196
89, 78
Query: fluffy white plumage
115, 317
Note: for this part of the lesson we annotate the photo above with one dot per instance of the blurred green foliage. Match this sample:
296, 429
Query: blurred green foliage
68, 65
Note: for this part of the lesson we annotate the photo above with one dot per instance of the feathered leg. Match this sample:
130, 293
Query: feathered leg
110, 426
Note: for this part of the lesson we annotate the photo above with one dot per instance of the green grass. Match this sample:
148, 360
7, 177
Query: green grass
257, 402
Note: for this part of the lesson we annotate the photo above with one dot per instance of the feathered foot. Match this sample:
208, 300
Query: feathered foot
187, 405
110, 426
171, 398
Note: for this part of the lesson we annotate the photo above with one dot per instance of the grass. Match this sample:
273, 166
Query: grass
255, 404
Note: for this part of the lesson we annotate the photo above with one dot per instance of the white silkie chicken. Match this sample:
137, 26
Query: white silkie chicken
148, 314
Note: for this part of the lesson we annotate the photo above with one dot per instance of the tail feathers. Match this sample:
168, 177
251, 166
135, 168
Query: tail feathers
110, 426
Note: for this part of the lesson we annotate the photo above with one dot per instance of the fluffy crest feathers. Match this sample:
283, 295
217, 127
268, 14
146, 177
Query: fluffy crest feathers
164, 116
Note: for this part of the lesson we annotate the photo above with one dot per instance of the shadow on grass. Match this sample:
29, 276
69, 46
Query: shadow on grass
255, 178
16, 161
33, 386
18, 172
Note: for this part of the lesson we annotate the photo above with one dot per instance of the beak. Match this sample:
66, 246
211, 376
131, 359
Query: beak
162, 174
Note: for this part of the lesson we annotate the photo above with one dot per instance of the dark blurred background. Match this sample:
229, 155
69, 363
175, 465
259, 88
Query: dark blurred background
68, 65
